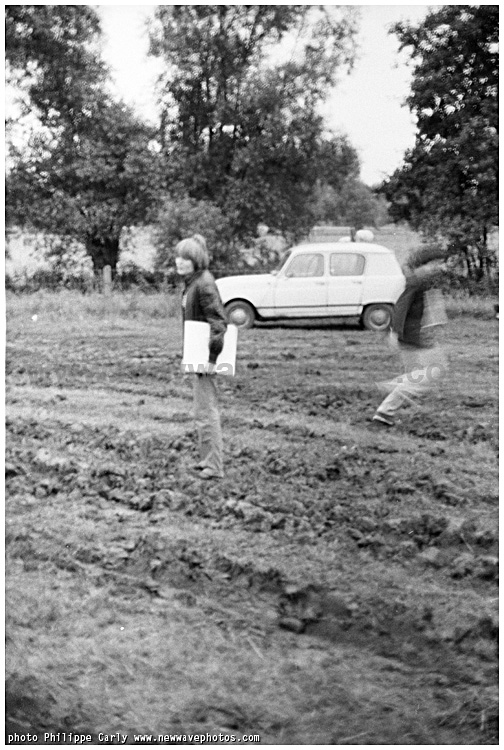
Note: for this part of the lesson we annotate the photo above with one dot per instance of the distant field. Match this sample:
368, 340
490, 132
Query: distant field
398, 238
403, 240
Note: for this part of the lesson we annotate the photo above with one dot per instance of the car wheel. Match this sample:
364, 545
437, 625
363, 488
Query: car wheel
241, 314
377, 317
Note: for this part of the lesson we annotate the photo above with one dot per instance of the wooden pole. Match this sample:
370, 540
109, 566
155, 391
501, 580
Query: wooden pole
107, 280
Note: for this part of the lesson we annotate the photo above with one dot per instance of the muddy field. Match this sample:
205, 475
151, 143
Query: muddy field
339, 586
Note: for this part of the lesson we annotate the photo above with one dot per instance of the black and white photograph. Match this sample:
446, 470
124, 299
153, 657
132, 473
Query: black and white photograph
251, 362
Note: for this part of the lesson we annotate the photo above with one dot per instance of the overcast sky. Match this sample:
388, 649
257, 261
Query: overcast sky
367, 105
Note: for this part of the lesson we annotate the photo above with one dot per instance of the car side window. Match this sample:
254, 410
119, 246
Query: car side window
306, 264
346, 264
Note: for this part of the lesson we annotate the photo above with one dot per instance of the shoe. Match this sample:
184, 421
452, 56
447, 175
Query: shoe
383, 419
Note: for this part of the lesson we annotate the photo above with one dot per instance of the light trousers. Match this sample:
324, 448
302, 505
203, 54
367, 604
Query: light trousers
206, 413
423, 370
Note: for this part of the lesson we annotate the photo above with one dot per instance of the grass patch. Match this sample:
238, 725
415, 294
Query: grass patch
73, 306
476, 307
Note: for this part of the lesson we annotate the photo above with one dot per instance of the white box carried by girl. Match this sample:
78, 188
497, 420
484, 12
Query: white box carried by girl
197, 349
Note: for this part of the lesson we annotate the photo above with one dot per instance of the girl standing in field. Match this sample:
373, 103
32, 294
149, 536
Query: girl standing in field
201, 301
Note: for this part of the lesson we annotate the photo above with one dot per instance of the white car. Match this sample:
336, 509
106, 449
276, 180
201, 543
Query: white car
357, 280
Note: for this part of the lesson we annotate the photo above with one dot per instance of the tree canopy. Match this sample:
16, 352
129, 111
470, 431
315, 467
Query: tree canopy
104, 180
53, 52
240, 142
89, 169
448, 184
240, 129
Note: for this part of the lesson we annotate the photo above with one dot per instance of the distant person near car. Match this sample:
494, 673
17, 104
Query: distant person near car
201, 302
418, 313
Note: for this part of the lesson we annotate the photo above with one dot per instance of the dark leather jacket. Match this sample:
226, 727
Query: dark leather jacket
202, 302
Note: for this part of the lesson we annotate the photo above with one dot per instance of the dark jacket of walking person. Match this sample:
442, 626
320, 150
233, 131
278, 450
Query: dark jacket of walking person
416, 317
409, 314
201, 302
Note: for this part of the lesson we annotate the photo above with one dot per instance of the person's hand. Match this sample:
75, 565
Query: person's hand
393, 341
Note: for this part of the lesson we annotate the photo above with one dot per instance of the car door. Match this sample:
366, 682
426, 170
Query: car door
344, 283
301, 287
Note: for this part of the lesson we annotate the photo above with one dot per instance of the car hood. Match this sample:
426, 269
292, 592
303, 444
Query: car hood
247, 280
255, 288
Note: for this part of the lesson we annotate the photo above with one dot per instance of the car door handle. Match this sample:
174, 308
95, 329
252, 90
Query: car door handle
320, 283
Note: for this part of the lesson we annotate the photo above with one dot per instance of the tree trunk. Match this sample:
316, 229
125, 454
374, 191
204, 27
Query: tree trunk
104, 251
469, 262
486, 255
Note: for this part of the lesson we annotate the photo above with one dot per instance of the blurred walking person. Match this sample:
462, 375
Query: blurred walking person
201, 302
417, 315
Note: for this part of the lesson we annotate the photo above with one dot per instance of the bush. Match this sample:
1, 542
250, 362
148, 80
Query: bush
130, 276
185, 217
50, 279
62, 263
457, 284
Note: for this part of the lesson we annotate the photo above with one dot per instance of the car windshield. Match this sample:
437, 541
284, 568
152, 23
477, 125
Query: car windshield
282, 260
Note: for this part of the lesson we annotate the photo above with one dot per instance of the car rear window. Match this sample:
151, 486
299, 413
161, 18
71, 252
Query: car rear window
306, 264
346, 264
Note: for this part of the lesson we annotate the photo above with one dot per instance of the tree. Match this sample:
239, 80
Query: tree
90, 168
182, 218
339, 196
239, 130
90, 188
448, 184
354, 204
52, 52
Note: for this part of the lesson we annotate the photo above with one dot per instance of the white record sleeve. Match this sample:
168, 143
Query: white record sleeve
196, 349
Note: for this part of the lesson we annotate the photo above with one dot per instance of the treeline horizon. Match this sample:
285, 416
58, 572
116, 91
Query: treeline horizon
240, 141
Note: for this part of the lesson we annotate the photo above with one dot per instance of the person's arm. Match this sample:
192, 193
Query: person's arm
213, 311
401, 309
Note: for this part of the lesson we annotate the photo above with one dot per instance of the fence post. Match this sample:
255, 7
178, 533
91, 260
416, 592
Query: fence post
107, 279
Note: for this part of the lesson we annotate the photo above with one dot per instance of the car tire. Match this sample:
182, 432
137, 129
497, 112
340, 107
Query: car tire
377, 317
241, 314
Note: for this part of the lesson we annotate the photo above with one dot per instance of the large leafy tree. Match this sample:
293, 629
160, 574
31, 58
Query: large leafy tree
52, 53
91, 187
89, 169
448, 184
241, 129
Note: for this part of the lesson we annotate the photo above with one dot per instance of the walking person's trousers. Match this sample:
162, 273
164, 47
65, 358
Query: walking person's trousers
206, 412
423, 368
